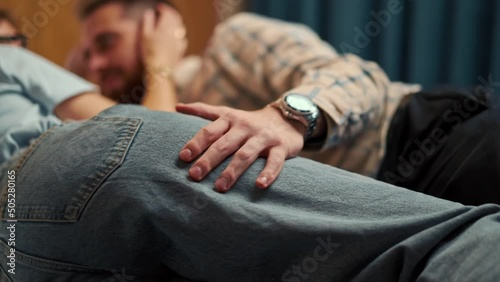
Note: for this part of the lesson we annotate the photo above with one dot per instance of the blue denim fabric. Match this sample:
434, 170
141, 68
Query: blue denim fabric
108, 200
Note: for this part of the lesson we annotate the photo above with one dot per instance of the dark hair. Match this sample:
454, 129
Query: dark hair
85, 8
5, 16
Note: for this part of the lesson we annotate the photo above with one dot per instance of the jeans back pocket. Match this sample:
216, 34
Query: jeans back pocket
61, 171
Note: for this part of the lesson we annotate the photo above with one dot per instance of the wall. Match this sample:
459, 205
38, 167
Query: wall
54, 30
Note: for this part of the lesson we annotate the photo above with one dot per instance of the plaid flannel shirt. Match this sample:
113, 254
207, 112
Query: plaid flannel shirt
251, 61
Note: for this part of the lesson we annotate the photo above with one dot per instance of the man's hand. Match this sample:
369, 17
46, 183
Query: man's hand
163, 38
247, 135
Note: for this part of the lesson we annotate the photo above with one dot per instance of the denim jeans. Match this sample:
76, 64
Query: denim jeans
109, 200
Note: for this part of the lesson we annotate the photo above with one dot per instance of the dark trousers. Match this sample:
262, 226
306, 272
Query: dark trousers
446, 143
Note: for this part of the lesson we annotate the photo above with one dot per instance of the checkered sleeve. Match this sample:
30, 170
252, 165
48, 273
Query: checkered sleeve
271, 58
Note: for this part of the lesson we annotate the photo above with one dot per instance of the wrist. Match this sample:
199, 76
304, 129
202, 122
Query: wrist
159, 69
295, 124
158, 73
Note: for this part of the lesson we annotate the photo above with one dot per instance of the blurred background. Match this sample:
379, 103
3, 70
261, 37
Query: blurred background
431, 42
53, 34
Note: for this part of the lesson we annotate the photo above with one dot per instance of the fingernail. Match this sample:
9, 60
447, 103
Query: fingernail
221, 184
262, 181
186, 155
196, 173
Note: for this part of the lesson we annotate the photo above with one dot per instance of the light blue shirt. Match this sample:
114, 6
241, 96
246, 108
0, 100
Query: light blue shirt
30, 88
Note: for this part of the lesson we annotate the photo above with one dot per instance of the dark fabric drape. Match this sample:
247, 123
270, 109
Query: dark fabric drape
432, 42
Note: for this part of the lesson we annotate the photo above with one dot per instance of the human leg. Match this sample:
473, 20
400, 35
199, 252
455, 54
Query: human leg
446, 143
125, 202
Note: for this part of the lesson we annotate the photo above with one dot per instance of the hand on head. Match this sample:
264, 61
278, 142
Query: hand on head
163, 40
125, 40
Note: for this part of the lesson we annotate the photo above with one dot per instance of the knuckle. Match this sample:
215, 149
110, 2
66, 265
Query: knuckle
208, 133
222, 145
274, 166
246, 126
230, 174
204, 163
231, 116
274, 163
245, 154
193, 147
268, 135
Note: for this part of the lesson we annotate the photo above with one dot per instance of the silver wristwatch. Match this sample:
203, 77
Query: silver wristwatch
300, 108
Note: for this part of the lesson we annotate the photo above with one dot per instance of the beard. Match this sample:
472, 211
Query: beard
133, 90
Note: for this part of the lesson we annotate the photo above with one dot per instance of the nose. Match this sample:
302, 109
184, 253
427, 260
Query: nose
97, 62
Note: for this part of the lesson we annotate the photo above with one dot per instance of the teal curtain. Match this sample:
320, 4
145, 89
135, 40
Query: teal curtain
431, 42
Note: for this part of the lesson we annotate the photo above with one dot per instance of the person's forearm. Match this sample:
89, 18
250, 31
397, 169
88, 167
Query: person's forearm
162, 48
352, 93
49, 85
83, 106
161, 93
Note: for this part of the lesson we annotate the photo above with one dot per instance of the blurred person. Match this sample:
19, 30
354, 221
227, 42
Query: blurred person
125, 82
159, 80
295, 93
131, 47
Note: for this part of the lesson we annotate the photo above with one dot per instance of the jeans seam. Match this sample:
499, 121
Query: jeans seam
19, 165
74, 210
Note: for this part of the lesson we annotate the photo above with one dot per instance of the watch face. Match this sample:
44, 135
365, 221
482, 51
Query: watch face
300, 103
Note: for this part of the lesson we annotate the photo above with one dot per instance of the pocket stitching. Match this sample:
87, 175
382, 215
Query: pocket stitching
76, 207
72, 211
19, 166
